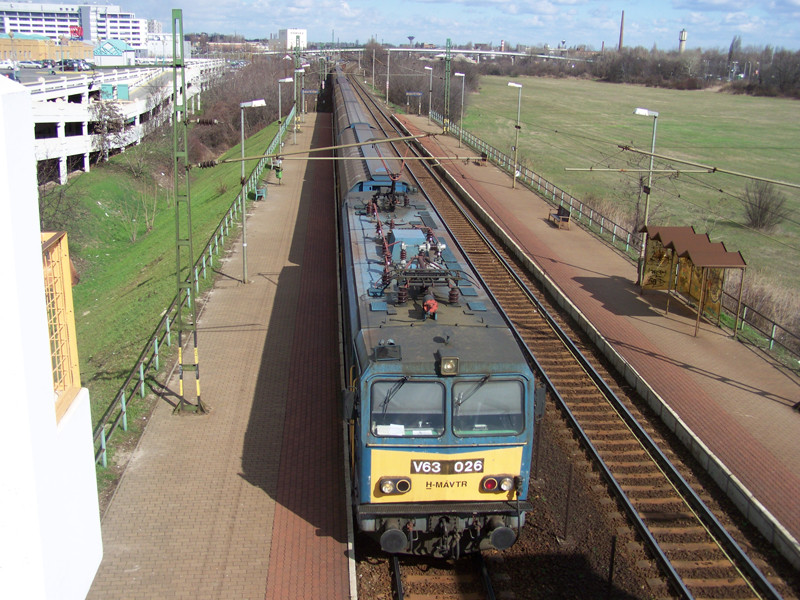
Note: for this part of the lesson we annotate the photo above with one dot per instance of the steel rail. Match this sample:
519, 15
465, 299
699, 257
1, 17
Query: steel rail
730, 547
397, 578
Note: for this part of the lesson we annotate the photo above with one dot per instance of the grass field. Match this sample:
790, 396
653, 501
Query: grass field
570, 123
126, 286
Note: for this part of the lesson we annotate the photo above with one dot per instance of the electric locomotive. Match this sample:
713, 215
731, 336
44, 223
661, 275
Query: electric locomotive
440, 399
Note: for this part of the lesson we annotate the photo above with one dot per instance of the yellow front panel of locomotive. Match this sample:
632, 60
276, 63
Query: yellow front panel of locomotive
444, 477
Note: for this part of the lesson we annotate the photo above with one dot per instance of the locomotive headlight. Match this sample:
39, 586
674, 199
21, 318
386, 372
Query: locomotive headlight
449, 365
507, 484
394, 485
497, 483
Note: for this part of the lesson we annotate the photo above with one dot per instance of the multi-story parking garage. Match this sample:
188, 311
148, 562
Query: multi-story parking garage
66, 120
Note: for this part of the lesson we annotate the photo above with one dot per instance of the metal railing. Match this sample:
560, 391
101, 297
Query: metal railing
148, 361
618, 236
763, 328
79, 81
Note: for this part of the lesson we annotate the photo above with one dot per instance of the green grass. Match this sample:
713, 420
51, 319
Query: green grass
579, 124
125, 287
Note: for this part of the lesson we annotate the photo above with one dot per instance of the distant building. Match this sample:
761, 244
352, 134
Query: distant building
159, 45
114, 53
90, 23
32, 46
289, 38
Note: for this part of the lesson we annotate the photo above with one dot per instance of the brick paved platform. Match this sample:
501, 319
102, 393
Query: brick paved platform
735, 399
248, 502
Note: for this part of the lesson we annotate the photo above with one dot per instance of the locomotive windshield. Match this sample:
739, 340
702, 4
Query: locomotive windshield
404, 408
488, 407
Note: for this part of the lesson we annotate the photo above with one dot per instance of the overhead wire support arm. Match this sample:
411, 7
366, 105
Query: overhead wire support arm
707, 168
284, 155
623, 170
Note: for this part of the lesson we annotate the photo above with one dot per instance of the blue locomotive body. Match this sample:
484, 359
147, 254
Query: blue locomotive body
440, 398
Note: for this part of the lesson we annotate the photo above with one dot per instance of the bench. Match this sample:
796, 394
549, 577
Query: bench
261, 193
560, 217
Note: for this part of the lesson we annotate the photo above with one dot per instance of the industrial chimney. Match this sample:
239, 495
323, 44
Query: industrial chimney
621, 30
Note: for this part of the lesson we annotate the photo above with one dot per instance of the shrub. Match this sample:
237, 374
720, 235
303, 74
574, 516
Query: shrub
764, 206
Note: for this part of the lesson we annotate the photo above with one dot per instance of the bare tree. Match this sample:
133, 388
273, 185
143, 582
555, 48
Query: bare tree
129, 212
58, 209
108, 125
137, 160
764, 206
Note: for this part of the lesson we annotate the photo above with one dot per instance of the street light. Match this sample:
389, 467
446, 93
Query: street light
280, 114
461, 118
643, 112
14, 61
294, 87
516, 135
304, 66
430, 93
242, 106
64, 40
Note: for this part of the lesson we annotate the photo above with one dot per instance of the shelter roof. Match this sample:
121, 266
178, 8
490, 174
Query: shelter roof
697, 247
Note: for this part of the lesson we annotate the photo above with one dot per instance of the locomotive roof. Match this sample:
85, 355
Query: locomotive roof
471, 328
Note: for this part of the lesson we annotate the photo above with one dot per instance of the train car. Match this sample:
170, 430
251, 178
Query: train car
440, 400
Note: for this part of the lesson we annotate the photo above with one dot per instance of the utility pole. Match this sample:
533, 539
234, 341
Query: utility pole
447, 66
295, 125
184, 249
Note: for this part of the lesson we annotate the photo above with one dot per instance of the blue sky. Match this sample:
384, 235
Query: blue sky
709, 23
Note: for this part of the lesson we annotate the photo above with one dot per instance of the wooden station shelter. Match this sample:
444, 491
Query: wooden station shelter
678, 259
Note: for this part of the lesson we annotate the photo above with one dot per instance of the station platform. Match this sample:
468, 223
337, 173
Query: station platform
735, 399
248, 501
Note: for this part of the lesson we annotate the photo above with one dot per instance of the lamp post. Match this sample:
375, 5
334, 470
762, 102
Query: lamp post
461, 117
643, 112
242, 106
280, 113
516, 134
430, 93
304, 66
63, 43
14, 61
294, 87
388, 56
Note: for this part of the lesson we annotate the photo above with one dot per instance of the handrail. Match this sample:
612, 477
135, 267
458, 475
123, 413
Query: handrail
116, 413
629, 242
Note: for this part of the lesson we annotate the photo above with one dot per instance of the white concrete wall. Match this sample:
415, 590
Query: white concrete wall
50, 105
49, 516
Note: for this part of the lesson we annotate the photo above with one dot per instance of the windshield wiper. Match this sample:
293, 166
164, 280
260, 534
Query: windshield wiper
392, 391
466, 396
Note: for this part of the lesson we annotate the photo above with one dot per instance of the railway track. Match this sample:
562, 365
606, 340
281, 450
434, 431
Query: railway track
414, 579
694, 552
